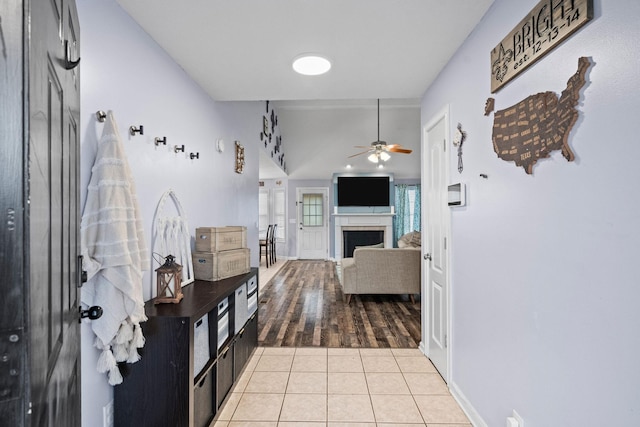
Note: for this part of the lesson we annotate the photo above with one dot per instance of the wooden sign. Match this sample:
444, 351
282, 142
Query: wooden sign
548, 24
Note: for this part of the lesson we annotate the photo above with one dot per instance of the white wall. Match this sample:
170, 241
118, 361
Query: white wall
125, 71
544, 266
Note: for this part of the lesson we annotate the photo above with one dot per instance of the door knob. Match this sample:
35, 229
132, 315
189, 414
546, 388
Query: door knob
427, 257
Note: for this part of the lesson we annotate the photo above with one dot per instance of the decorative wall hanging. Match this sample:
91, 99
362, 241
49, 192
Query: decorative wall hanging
239, 157
270, 136
548, 24
540, 124
458, 138
172, 236
273, 121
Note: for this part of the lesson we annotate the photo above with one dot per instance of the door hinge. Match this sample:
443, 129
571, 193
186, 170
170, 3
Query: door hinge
82, 274
445, 243
446, 341
444, 145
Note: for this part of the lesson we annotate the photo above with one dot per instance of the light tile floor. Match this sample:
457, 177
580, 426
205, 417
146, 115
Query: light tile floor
337, 387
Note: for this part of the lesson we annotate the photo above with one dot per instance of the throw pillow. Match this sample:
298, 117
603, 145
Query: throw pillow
416, 239
377, 245
412, 239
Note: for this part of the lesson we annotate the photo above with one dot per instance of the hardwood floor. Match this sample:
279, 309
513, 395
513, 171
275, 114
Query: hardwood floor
303, 306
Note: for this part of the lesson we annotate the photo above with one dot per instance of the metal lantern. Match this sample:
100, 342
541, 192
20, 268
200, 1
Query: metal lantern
169, 283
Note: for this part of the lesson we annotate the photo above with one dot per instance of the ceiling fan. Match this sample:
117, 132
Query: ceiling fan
380, 149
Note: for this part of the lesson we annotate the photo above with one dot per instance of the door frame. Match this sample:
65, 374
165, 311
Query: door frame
442, 115
327, 219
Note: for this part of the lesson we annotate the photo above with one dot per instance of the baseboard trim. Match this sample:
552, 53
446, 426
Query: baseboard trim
467, 407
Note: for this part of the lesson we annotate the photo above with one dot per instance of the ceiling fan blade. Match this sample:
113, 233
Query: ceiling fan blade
364, 152
362, 146
398, 149
401, 150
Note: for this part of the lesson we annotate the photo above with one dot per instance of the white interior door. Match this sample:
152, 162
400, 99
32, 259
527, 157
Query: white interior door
436, 225
313, 223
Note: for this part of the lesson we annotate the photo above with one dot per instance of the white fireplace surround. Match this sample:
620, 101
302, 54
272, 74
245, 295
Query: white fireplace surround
361, 221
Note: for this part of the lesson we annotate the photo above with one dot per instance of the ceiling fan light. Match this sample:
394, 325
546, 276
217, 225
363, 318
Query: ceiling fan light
311, 65
373, 158
384, 156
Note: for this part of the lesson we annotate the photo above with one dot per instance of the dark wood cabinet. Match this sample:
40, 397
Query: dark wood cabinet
225, 373
184, 375
245, 342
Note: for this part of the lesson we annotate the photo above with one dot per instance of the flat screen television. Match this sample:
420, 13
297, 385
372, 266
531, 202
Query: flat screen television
363, 191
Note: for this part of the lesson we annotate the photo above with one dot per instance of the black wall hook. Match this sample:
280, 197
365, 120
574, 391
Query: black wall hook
194, 155
162, 140
93, 313
133, 130
178, 148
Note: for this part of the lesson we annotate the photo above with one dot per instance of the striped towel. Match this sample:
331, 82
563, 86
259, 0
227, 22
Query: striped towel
115, 255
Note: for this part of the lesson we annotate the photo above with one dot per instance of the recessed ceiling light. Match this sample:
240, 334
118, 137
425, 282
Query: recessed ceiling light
348, 166
311, 64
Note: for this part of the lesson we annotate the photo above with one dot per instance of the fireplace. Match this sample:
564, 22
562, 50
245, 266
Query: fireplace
353, 238
376, 222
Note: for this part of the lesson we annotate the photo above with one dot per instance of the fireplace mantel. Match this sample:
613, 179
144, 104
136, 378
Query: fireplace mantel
362, 221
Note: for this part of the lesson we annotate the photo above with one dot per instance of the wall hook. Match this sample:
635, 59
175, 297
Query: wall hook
194, 155
133, 130
101, 116
178, 148
162, 140
484, 175
69, 64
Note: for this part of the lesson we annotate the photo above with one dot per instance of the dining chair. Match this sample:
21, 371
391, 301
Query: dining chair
273, 243
266, 244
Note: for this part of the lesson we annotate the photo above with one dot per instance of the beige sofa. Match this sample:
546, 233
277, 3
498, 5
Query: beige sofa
382, 271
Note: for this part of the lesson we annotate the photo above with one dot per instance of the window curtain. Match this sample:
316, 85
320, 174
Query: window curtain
401, 220
417, 206
408, 217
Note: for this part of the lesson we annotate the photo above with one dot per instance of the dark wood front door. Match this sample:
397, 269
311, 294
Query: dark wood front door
40, 233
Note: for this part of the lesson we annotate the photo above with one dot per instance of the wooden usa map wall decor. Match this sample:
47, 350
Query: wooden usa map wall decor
539, 124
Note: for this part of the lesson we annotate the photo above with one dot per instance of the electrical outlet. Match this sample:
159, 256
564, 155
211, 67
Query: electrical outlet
518, 418
107, 415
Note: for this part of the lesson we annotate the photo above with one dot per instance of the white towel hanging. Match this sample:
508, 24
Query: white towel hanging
115, 254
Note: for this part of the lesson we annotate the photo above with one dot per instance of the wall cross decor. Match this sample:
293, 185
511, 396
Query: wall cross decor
458, 138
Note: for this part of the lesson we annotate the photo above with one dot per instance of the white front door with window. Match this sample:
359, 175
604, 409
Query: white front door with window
313, 223
435, 286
